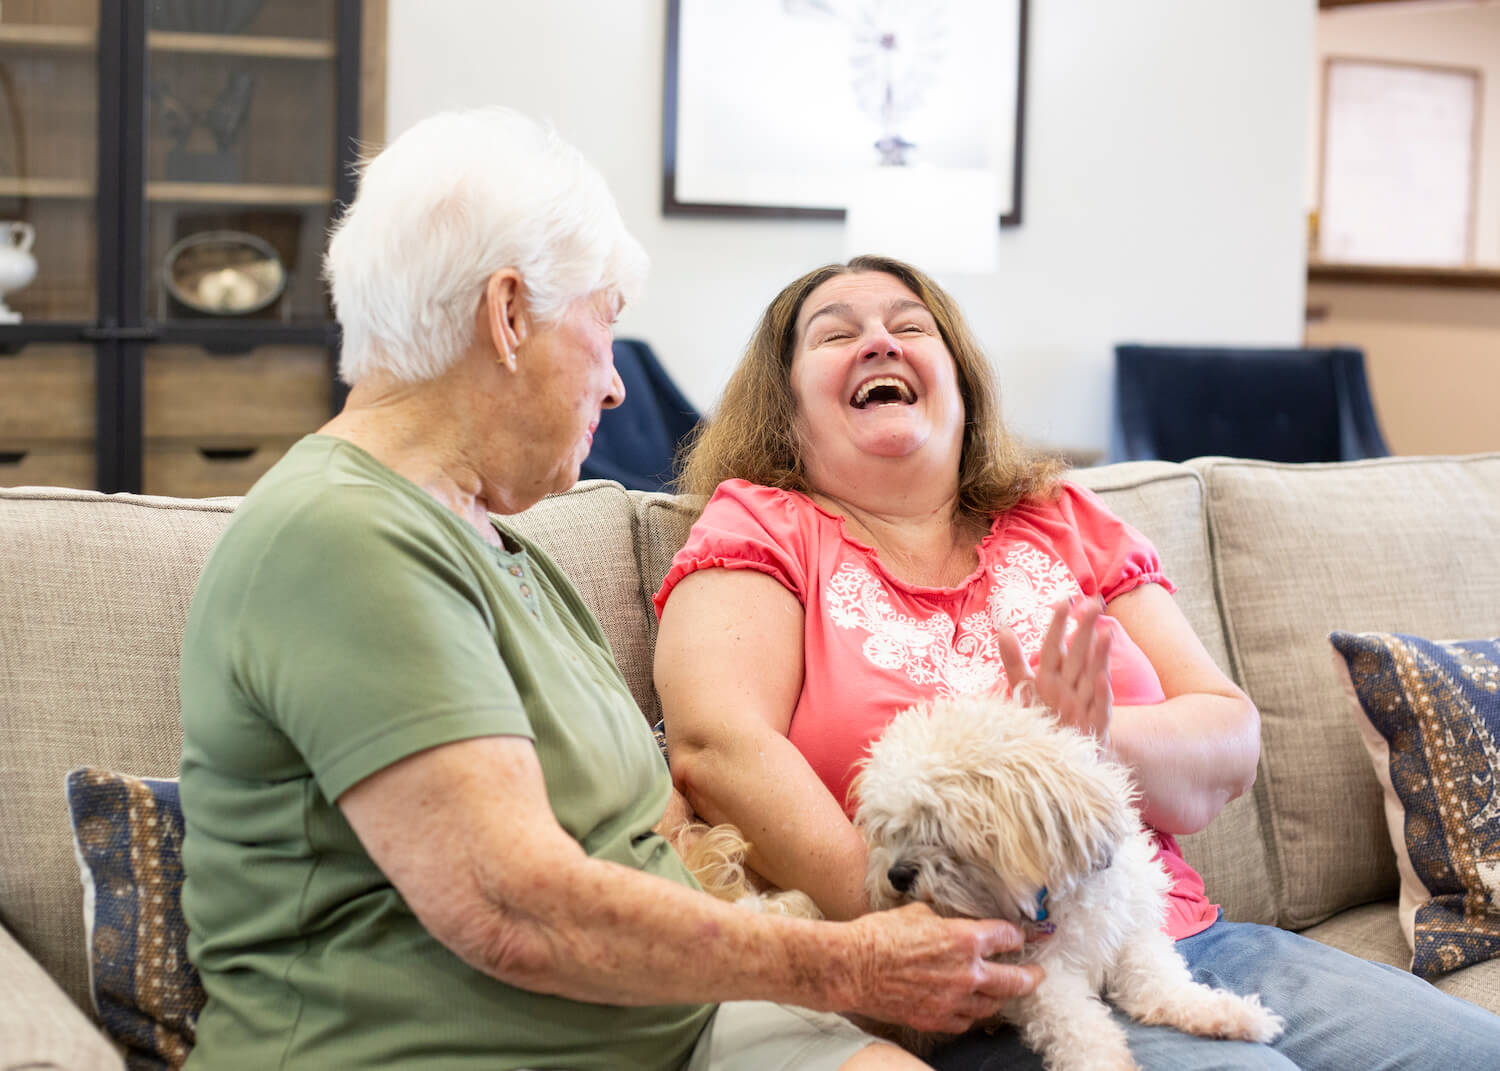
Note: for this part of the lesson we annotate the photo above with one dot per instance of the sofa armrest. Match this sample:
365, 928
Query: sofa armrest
40, 1026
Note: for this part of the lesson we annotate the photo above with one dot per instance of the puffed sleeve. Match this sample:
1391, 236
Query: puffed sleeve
747, 526
1121, 558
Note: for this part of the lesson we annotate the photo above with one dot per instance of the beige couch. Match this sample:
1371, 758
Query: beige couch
1268, 558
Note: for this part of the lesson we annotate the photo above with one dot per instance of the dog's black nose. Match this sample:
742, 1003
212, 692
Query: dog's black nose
901, 876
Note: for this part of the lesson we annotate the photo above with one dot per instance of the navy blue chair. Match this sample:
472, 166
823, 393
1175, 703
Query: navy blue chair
636, 442
1276, 404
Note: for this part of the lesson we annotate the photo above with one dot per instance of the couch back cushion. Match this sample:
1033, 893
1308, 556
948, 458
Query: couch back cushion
1166, 503
1390, 545
93, 592
589, 532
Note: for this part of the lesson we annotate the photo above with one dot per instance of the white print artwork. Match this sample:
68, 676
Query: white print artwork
1398, 164
931, 651
786, 102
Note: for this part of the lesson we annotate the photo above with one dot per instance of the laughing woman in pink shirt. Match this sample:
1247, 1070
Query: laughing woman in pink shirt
873, 537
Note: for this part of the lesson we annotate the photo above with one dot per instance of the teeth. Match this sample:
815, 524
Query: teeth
862, 395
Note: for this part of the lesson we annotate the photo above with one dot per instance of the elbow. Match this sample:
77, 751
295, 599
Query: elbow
1244, 760
515, 954
692, 771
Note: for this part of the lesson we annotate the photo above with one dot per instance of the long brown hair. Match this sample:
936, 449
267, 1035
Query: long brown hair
753, 434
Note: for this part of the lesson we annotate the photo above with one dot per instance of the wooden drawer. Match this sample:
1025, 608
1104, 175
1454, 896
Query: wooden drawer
208, 470
47, 465
47, 392
270, 392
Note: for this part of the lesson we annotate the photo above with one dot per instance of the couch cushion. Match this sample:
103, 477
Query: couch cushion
1166, 503
662, 525
127, 832
93, 592
1394, 544
1372, 931
40, 1028
1429, 715
589, 531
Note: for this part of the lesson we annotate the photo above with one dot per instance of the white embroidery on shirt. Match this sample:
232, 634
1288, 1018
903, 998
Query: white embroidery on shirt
931, 651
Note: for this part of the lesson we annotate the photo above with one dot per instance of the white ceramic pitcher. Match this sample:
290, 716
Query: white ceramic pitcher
17, 264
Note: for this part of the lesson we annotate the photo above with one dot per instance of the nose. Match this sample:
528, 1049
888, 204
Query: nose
902, 876
616, 393
880, 343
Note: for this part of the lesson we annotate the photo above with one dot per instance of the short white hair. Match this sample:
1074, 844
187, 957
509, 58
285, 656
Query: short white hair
448, 203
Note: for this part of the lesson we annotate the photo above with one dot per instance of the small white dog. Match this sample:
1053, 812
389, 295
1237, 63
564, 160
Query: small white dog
984, 808
990, 809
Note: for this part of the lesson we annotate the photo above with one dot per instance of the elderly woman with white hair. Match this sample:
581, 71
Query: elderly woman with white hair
425, 818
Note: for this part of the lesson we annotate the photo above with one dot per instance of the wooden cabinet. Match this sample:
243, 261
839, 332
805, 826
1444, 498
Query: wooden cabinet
132, 134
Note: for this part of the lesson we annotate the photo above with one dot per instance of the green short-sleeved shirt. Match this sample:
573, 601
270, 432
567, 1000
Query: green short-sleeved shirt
346, 620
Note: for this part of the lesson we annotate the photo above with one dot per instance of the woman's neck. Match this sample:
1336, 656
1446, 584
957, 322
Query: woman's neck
410, 432
930, 544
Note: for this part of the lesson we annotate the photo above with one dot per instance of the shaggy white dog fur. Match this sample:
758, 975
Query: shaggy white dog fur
990, 809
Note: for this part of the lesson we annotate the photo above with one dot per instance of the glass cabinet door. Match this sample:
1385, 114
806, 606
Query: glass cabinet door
49, 93
241, 158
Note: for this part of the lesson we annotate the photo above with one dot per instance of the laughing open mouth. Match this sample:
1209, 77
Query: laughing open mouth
883, 390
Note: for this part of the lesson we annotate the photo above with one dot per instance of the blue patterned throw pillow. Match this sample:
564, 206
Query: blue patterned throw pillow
1432, 714
127, 833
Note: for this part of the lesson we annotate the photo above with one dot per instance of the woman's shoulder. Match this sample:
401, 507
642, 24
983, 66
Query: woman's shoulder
769, 505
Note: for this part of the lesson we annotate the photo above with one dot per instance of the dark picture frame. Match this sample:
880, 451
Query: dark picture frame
719, 123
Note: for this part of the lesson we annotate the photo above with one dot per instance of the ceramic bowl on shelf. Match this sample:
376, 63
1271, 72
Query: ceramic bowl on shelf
223, 273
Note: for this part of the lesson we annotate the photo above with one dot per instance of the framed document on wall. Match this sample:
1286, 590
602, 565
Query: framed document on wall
1399, 156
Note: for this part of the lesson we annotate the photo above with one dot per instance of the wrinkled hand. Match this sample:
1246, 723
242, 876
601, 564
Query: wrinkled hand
1072, 676
935, 973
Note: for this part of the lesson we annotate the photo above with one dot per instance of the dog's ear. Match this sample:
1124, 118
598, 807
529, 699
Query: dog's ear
1059, 811
1095, 815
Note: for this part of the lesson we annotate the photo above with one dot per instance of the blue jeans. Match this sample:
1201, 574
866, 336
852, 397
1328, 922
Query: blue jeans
1342, 1013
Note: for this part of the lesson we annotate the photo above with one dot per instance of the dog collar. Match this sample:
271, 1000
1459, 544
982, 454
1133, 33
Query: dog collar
1041, 905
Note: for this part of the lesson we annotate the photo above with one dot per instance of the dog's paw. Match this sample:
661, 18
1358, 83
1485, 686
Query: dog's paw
1256, 1022
1218, 1013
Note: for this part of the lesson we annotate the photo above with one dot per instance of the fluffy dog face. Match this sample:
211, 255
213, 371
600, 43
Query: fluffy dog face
975, 806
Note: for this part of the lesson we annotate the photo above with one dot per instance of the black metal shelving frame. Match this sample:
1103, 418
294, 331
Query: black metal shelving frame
122, 329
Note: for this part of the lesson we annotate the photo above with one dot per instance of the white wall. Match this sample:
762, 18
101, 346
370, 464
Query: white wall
1165, 164
1457, 35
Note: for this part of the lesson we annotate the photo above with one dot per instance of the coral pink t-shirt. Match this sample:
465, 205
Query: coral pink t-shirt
874, 645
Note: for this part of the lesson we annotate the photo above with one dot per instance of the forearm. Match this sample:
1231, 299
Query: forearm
800, 837
592, 930
1190, 756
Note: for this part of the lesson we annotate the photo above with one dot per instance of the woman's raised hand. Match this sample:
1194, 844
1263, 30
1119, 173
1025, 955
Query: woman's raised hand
1072, 675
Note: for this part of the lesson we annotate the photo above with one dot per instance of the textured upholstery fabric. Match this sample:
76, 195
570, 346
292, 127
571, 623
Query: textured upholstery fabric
1372, 932
1389, 544
1429, 714
128, 835
94, 590
39, 1026
590, 532
1166, 503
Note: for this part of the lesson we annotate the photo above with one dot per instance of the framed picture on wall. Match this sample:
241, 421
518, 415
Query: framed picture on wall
1399, 159
773, 108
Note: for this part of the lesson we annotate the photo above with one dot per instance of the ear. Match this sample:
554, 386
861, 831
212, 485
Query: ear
506, 314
